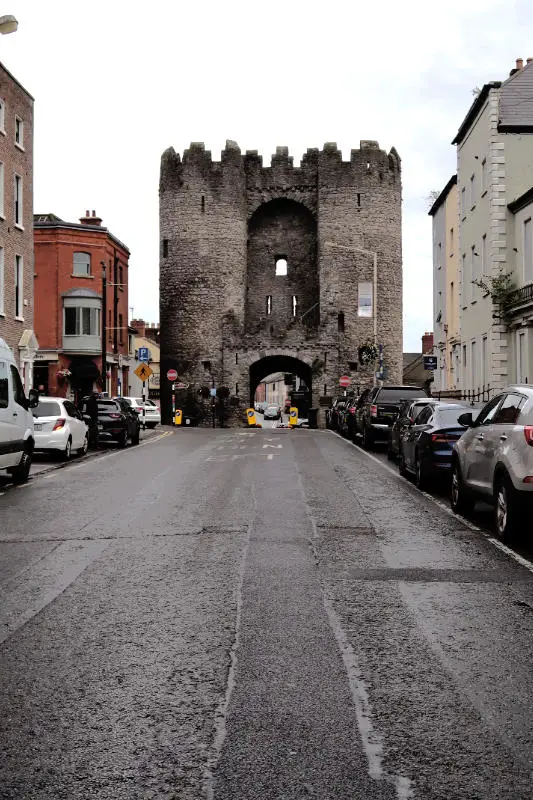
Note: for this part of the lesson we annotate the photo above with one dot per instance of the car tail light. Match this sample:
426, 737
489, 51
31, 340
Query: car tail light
59, 423
528, 479
115, 416
444, 437
528, 433
373, 411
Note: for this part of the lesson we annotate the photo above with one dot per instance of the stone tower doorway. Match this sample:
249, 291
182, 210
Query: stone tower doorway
287, 365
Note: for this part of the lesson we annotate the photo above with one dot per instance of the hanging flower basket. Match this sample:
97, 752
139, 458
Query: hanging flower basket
63, 374
368, 353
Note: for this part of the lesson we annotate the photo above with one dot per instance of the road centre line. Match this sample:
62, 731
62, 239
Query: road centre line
496, 542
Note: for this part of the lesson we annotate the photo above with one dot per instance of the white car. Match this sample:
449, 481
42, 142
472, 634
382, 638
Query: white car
152, 415
493, 460
59, 426
16, 421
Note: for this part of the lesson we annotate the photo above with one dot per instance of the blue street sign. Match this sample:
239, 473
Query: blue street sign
213, 392
430, 363
144, 354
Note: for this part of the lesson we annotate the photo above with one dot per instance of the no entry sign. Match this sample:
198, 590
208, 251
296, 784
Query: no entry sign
345, 381
172, 374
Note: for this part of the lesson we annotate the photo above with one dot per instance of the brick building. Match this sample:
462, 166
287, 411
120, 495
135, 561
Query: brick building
16, 222
280, 268
68, 306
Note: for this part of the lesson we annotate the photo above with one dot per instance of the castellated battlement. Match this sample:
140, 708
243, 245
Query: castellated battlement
367, 163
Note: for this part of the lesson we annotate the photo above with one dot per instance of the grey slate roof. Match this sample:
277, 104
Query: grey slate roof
516, 101
81, 293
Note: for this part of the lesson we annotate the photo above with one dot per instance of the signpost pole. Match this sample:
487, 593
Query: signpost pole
144, 405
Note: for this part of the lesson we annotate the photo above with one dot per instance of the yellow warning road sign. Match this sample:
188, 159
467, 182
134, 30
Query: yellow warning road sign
293, 416
178, 417
250, 413
143, 372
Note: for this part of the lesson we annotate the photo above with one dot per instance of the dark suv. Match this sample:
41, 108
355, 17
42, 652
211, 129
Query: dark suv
117, 421
379, 410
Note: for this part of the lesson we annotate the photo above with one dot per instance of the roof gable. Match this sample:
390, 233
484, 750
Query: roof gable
516, 101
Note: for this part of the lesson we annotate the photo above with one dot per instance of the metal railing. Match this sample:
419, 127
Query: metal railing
482, 395
523, 295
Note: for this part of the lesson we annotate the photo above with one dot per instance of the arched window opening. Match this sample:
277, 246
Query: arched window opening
281, 266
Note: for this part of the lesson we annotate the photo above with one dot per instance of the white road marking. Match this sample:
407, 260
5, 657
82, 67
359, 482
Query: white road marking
496, 542
273, 446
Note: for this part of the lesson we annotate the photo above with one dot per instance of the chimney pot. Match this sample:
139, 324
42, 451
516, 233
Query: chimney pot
519, 63
94, 215
529, 60
87, 213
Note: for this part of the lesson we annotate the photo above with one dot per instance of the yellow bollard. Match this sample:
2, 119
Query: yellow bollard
250, 414
293, 416
178, 417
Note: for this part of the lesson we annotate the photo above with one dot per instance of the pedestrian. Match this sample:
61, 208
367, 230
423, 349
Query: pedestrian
91, 409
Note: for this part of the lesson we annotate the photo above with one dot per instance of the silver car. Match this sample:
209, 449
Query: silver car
493, 460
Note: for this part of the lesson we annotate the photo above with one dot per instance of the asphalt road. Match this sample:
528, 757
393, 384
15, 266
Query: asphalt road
263, 614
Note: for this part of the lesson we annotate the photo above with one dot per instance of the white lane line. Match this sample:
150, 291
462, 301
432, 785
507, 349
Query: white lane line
496, 542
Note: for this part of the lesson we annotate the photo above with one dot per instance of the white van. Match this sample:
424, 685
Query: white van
16, 419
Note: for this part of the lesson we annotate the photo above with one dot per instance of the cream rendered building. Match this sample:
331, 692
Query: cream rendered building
447, 339
494, 171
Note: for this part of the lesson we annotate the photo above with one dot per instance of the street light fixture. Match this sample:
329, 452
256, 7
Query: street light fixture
8, 24
104, 331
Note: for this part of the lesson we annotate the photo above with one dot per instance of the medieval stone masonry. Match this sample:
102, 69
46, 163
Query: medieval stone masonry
267, 269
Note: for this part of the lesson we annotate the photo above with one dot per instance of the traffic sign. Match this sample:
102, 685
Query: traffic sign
179, 386
172, 374
143, 372
213, 392
345, 381
144, 354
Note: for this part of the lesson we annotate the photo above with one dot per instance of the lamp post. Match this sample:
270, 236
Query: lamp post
8, 24
104, 331
374, 255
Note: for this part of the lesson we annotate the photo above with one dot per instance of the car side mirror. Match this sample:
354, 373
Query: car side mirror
33, 398
466, 420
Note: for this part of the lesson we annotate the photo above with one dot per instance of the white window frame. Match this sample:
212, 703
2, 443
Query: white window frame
473, 363
19, 287
527, 249
81, 274
522, 356
463, 202
483, 176
2, 185
484, 360
19, 126
473, 190
365, 300
18, 200
465, 297
95, 321
473, 275
2, 281
2, 116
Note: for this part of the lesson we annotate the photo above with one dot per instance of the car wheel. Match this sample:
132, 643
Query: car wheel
136, 438
67, 452
402, 469
367, 439
151, 425
506, 509
390, 452
461, 501
420, 474
21, 472
123, 440
82, 451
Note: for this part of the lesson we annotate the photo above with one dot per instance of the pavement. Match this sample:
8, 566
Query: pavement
257, 614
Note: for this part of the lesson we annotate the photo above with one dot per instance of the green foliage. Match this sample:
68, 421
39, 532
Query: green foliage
502, 291
368, 353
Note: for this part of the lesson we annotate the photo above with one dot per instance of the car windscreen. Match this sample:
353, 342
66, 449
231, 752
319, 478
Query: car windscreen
447, 417
47, 409
417, 408
394, 395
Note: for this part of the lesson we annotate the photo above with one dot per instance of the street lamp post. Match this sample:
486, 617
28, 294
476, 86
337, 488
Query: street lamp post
104, 331
374, 255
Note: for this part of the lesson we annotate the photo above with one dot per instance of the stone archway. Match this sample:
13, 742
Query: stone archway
268, 365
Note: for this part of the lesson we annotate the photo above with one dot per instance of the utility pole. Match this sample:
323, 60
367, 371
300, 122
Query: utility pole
104, 331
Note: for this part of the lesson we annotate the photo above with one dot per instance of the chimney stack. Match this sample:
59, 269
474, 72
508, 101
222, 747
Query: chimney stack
519, 63
140, 326
427, 343
91, 219
529, 60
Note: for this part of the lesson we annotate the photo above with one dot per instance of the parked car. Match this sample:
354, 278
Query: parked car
16, 419
152, 416
493, 460
335, 410
117, 421
272, 412
407, 416
60, 427
426, 446
380, 408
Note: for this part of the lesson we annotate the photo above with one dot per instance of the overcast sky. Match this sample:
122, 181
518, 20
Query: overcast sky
116, 83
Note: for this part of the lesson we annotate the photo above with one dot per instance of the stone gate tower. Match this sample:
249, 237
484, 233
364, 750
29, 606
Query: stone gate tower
279, 268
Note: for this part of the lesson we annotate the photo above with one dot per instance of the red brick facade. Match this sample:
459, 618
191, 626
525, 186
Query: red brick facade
16, 226
58, 285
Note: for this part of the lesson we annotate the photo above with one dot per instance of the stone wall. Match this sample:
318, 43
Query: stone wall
223, 224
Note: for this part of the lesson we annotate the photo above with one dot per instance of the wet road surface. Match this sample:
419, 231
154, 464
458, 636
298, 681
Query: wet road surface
256, 614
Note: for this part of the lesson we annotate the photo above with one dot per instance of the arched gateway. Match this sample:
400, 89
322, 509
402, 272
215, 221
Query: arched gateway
279, 269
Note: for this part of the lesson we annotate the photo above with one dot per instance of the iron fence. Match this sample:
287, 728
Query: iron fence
482, 395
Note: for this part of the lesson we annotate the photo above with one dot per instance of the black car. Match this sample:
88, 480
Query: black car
426, 446
117, 421
335, 411
346, 417
380, 408
409, 411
